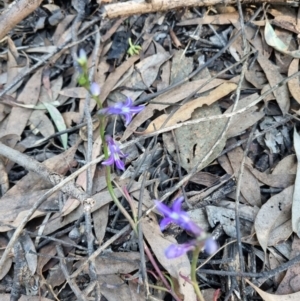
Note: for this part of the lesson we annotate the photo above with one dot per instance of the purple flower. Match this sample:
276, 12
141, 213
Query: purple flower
115, 154
177, 216
82, 59
210, 246
174, 251
127, 109
95, 89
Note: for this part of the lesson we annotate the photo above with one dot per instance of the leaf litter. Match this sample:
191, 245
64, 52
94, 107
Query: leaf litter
43, 115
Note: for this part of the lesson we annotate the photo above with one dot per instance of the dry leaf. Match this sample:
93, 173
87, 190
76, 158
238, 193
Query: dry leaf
275, 212
270, 297
18, 118
273, 41
196, 140
274, 77
296, 196
281, 180
291, 281
225, 216
114, 288
293, 83
181, 66
173, 96
185, 111
250, 187
117, 263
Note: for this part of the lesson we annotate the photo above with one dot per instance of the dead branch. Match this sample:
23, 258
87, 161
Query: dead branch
117, 10
33, 165
15, 13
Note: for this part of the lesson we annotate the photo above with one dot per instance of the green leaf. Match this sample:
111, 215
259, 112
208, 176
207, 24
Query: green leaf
58, 121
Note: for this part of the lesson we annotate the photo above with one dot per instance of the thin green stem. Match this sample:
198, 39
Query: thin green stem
108, 178
194, 274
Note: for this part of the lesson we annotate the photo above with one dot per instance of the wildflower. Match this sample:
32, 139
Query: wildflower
127, 109
95, 89
115, 154
174, 251
82, 59
210, 246
177, 216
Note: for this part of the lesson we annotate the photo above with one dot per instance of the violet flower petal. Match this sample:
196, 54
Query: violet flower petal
95, 89
164, 223
174, 251
210, 246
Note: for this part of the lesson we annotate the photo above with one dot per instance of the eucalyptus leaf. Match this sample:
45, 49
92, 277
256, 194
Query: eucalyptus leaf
58, 121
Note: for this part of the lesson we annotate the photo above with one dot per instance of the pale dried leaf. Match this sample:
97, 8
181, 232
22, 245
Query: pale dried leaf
117, 263
173, 96
291, 281
273, 41
40, 122
145, 74
281, 180
225, 216
185, 111
274, 77
114, 288
58, 121
293, 83
221, 19
296, 196
196, 140
287, 165
181, 66
18, 117
271, 297
100, 218
20, 198
276, 211
6, 266
29, 252
250, 188
76, 92
114, 77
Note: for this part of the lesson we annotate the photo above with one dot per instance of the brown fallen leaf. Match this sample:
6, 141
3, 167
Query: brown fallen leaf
18, 118
274, 77
293, 84
275, 212
195, 141
115, 76
173, 96
114, 288
291, 281
222, 19
117, 263
282, 180
271, 297
21, 197
185, 111
250, 187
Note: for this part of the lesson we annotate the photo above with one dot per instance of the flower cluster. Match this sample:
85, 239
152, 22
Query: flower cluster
181, 218
126, 109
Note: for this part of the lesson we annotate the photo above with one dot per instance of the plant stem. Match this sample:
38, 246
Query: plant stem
194, 274
108, 178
